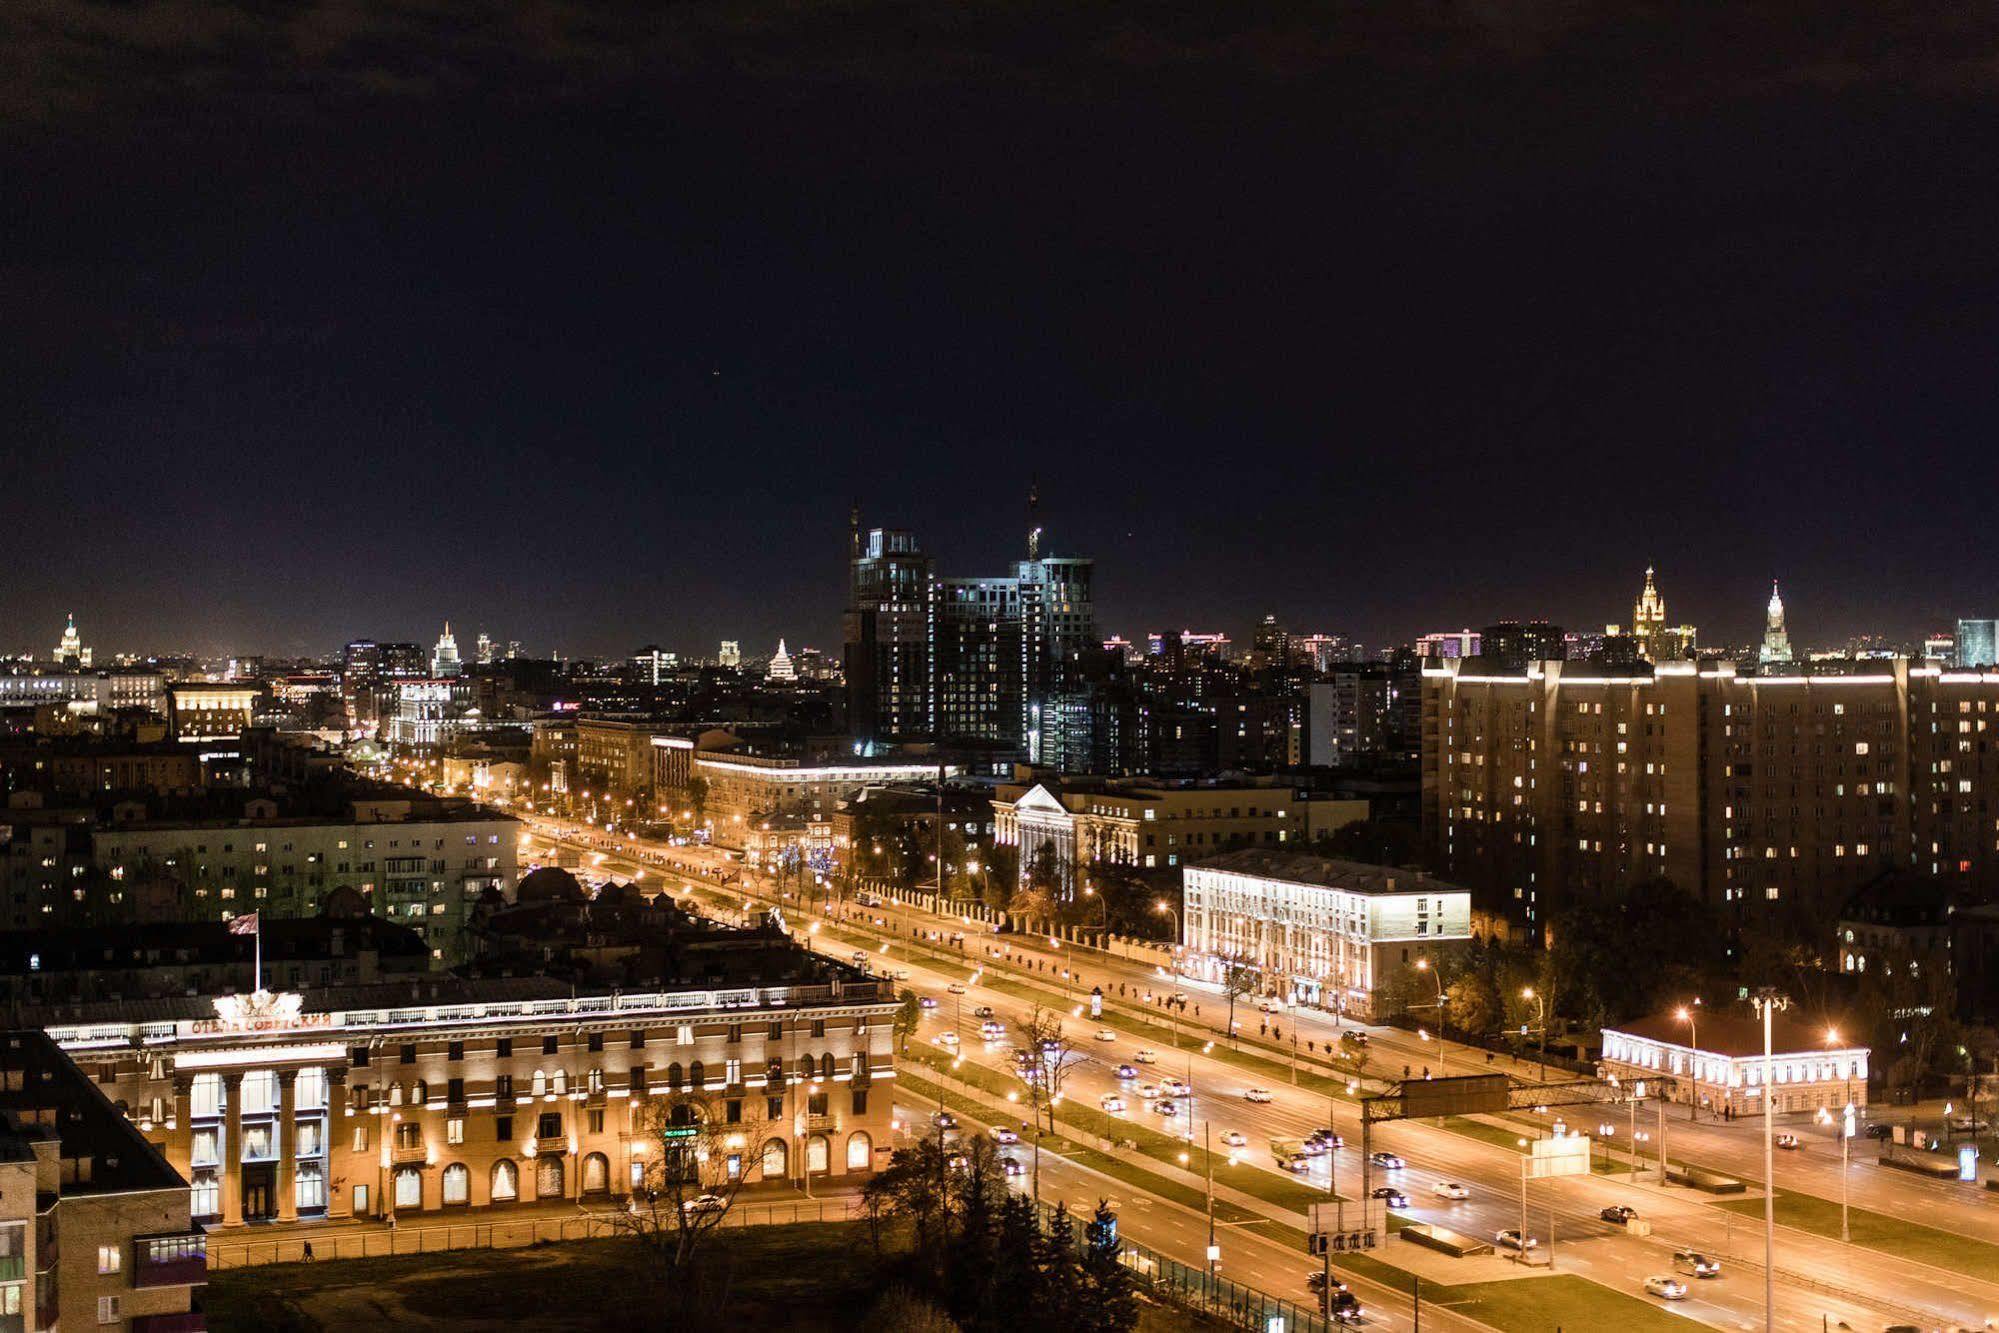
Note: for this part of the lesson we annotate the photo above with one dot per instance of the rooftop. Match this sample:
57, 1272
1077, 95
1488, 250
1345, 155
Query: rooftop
1735, 1035
1325, 871
54, 1094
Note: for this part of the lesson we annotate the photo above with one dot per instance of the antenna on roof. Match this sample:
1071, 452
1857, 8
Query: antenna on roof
1033, 528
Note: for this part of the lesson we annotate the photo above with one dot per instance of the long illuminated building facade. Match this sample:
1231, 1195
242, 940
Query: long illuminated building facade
1775, 793
380, 1101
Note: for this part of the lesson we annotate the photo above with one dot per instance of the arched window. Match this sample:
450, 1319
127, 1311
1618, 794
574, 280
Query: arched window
421, 1094
696, 1077
818, 1154
674, 1076
506, 1182
683, 1113
540, 1083
806, 1069
774, 1164
548, 1177
395, 1094
826, 1066
774, 1073
860, 1152
409, 1188
457, 1184
560, 1082
596, 1174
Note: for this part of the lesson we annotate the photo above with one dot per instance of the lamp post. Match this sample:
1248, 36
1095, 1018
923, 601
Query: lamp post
1540, 1023
1768, 1002
1843, 1126
1443, 1020
1687, 1015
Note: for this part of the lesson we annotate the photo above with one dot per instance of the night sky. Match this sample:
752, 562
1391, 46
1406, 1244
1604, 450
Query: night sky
586, 323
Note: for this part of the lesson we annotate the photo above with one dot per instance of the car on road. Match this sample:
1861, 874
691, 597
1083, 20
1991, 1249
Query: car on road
1450, 1189
956, 988
1324, 1140
1257, 1095
1388, 1194
1174, 1086
1877, 1130
1009, 1167
946, 1039
703, 1203
1344, 1307
1127, 1072
1145, 1057
1147, 1090
1270, 1005
1970, 1124
1619, 1213
1665, 1288
1105, 1034
928, 1002
902, 974
1235, 1138
1693, 1261
1788, 1142
1166, 1106
1357, 1038
1388, 1161
992, 1031
943, 1120
1111, 1102
984, 1011
1001, 1134
1510, 1239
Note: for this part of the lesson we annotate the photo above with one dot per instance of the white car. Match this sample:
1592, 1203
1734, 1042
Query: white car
1105, 1034
1174, 1087
1258, 1095
947, 1039
1450, 1189
703, 1203
1510, 1239
1001, 1134
1111, 1102
1145, 1057
1235, 1138
955, 988
1666, 1288
1147, 1090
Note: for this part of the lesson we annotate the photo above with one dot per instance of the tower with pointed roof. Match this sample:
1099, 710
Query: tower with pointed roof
71, 652
1776, 639
444, 660
781, 668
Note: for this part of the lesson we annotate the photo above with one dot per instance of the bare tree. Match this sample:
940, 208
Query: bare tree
1046, 1058
692, 1166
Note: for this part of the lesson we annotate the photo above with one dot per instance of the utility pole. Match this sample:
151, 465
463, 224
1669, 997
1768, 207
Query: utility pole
1768, 1001
1214, 1250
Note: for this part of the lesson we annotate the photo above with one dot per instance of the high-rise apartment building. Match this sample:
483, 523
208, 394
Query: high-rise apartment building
1977, 643
1776, 793
890, 633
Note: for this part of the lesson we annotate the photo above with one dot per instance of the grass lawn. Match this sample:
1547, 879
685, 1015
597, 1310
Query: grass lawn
1538, 1304
780, 1276
1878, 1231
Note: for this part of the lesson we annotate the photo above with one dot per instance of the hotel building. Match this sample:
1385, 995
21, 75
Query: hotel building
745, 788
404, 1098
1813, 1069
1319, 930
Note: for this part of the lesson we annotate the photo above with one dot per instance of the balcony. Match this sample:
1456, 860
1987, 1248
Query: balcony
821, 1123
409, 1155
178, 1259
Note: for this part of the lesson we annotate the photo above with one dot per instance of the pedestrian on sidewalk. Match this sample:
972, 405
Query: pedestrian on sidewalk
308, 1252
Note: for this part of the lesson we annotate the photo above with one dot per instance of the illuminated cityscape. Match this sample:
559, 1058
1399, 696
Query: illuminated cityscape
732, 665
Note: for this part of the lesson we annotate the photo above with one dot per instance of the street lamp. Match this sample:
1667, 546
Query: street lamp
1767, 1001
1540, 1023
1687, 1015
1443, 1021
1163, 906
1842, 1126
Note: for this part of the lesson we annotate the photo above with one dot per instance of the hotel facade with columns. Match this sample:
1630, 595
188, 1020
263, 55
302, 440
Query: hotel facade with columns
370, 1102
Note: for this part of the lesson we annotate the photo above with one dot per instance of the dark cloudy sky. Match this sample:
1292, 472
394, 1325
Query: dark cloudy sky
586, 322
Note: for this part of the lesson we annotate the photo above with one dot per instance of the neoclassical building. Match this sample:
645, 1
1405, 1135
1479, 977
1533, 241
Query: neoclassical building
429, 1097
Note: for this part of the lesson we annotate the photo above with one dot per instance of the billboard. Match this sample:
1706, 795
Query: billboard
1464, 1094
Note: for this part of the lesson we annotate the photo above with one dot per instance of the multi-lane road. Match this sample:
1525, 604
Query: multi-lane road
1821, 1283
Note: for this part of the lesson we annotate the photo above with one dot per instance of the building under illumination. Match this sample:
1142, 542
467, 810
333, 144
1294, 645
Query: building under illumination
1816, 1070
454, 1096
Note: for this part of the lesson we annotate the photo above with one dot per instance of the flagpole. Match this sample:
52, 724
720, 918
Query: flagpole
258, 936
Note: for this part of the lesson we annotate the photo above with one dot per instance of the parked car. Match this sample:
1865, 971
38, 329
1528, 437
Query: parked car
1510, 1239
1619, 1213
1693, 1261
1666, 1288
1450, 1189
1788, 1142
1105, 1034
703, 1203
1235, 1138
1258, 1095
1970, 1124
1388, 1194
1387, 1161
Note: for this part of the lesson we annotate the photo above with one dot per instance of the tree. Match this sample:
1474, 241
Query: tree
697, 798
1109, 1303
908, 1018
1046, 1058
1470, 1005
693, 1167
1238, 979
1000, 877
904, 1311
1036, 898
1629, 956
1061, 1272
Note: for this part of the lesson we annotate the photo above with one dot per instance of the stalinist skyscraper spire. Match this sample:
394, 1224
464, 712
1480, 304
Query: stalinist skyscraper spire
1776, 639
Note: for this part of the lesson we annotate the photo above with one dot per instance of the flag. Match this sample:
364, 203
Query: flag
244, 925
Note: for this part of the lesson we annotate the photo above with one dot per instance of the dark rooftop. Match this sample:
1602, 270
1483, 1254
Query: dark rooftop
1735, 1034
1325, 871
55, 1094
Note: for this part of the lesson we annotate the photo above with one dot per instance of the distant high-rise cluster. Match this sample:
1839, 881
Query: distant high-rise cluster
959, 659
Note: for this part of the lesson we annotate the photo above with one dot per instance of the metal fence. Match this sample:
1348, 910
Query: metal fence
514, 1233
1214, 1295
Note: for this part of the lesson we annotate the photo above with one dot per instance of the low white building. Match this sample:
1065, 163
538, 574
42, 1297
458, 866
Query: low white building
1814, 1068
1321, 931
